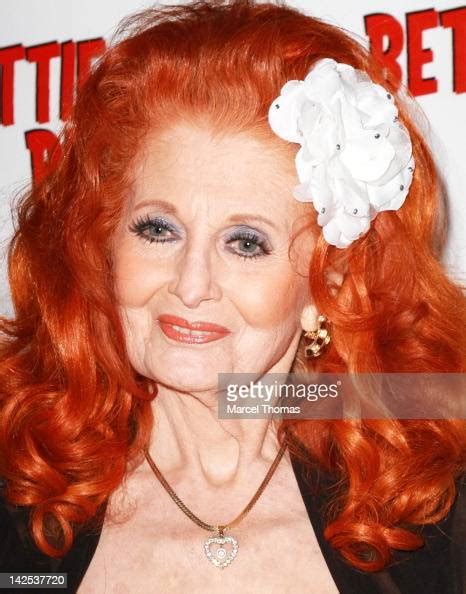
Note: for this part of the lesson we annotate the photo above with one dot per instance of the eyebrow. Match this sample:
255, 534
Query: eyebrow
239, 218
165, 206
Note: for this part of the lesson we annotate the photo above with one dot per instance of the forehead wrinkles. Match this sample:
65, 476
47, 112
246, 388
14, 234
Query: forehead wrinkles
195, 168
193, 155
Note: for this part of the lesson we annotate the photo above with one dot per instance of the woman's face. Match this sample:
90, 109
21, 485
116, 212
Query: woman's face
205, 238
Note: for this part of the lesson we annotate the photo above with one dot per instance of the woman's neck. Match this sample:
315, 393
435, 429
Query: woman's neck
189, 437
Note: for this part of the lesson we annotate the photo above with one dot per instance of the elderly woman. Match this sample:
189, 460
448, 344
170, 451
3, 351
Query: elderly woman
231, 171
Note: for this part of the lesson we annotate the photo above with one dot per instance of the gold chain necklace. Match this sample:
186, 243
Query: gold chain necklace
219, 557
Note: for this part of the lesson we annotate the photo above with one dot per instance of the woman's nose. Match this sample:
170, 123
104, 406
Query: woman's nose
193, 280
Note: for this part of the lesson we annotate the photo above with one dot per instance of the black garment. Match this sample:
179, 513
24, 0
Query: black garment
438, 568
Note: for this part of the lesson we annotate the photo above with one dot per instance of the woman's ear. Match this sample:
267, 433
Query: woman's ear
309, 317
335, 280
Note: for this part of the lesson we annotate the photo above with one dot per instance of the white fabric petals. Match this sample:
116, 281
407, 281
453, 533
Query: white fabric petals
355, 158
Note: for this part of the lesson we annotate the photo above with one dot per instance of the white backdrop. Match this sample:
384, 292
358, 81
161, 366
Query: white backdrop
429, 39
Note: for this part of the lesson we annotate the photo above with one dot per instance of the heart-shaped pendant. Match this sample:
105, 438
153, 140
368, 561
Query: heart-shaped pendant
220, 557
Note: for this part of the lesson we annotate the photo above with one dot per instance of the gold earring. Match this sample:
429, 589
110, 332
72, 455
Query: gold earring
316, 330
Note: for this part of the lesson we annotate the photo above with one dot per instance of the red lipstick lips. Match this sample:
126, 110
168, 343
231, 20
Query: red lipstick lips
181, 330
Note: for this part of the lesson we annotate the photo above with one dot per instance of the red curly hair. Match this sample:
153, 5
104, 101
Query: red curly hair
75, 415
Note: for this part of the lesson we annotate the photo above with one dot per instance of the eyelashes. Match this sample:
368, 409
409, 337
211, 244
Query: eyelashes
149, 228
157, 230
248, 238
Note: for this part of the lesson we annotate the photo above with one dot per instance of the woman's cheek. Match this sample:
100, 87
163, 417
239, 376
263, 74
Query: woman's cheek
267, 300
137, 280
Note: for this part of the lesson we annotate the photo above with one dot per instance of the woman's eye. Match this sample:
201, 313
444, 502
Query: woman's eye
153, 229
249, 245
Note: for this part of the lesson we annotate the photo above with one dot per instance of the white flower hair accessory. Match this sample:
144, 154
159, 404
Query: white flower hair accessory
355, 158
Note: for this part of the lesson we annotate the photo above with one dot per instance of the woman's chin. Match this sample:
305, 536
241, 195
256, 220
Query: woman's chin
191, 384
209, 359
188, 373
